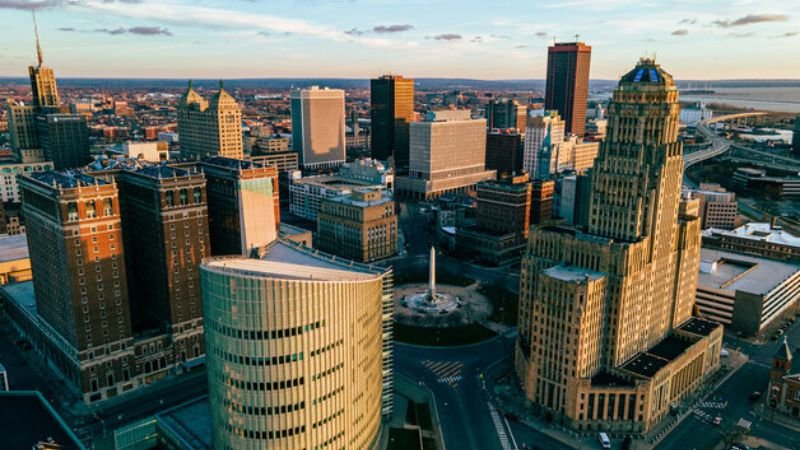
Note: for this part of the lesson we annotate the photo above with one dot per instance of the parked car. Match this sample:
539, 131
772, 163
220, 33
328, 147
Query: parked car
717, 421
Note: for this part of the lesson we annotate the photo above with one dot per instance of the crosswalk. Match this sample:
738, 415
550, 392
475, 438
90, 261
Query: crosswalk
448, 372
714, 405
498, 426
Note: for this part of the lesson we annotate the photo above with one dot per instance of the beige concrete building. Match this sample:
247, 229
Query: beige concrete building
361, 226
318, 127
765, 239
447, 154
746, 293
9, 192
210, 128
297, 350
606, 337
15, 263
22, 130
718, 207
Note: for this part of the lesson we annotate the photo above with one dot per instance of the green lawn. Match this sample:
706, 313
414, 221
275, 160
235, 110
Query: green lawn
505, 304
402, 439
441, 337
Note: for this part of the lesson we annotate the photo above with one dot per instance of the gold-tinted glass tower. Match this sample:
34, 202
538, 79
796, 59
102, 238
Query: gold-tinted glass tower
43, 79
391, 110
607, 341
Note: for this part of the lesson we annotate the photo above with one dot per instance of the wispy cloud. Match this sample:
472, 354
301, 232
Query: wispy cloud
392, 28
751, 19
742, 35
680, 32
446, 37
150, 31
142, 31
688, 22
788, 34
219, 18
28, 5
540, 34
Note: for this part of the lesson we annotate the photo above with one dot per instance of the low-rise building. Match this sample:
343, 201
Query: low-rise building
361, 226
757, 180
148, 151
15, 263
306, 193
783, 391
502, 219
762, 239
718, 207
9, 192
745, 293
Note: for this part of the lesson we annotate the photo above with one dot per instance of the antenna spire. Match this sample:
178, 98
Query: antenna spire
36, 32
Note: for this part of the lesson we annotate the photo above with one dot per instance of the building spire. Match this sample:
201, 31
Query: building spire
36, 32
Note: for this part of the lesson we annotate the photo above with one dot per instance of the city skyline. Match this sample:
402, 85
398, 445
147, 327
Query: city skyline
340, 38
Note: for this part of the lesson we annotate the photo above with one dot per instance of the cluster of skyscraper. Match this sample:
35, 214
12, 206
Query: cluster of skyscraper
298, 343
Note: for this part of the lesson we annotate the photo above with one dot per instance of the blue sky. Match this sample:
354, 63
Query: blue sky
488, 39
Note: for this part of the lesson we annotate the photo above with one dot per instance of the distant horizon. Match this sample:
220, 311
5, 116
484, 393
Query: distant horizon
225, 79
210, 39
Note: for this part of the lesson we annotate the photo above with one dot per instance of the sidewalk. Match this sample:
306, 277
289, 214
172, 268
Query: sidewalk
508, 397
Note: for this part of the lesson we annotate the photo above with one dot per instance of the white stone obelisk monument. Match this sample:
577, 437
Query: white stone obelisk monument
432, 276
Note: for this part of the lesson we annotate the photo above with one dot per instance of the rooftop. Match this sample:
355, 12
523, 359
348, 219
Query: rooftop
645, 364
230, 163
287, 261
737, 272
610, 380
13, 247
162, 171
22, 294
19, 410
332, 181
572, 273
670, 348
647, 71
190, 423
759, 231
66, 179
699, 326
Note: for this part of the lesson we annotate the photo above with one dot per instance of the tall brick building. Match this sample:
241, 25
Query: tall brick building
76, 250
165, 223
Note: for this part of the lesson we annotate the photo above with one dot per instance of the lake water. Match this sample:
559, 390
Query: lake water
779, 99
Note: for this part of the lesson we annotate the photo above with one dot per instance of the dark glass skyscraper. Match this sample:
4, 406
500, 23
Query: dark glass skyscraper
392, 109
568, 83
64, 139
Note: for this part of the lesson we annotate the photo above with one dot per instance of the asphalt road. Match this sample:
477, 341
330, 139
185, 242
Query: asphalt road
695, 433
464, 411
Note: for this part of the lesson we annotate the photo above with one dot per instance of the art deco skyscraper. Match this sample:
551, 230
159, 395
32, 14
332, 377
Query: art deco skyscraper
391, 110
567, 89
210, 128
318, 134
606, 339
43, 79
298, 350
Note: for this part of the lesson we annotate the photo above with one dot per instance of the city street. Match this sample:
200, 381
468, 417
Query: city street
453, 375
695, 432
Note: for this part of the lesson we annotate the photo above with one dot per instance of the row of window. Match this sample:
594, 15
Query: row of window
259, 361
262, 386
259, 434
263, 410
261, 335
